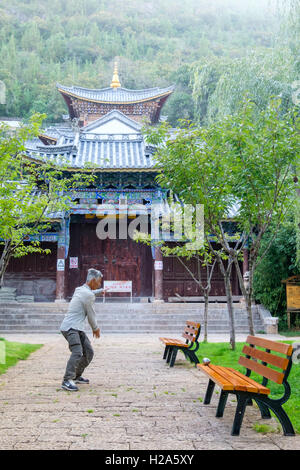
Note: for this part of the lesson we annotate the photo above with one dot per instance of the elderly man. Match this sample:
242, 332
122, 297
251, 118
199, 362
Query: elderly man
73, 325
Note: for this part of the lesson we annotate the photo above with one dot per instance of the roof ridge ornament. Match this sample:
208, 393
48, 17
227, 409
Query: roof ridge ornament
115, 80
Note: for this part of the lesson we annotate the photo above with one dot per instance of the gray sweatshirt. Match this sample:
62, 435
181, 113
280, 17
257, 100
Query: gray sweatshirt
80, 307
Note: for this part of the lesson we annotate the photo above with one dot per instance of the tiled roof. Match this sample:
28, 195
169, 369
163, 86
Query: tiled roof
104, 152
93, 146
117, 95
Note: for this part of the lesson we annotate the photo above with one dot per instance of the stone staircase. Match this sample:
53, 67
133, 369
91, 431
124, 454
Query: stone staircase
160, 318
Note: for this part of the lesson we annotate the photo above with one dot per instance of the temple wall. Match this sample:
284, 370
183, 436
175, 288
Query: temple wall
34, 274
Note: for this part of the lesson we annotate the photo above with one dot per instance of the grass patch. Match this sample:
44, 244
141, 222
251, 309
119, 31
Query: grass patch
221, 354
15, 352
288, 333
265, 428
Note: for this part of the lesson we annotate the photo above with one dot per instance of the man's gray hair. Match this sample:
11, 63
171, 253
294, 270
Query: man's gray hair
93, 274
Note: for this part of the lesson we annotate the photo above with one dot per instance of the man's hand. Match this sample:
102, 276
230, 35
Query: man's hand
96, 333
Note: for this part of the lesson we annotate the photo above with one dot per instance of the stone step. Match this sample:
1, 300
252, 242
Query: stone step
150, 329
125, 318
164, 306
135, 315
112, 319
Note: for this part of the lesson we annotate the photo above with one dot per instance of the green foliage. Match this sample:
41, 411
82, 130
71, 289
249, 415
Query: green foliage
269, 69
75, 42
278, 264
30, 192
241, 164
297, 212
246, 158
263, 148
221, 83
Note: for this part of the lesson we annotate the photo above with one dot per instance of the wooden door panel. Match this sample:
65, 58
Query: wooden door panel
116, 259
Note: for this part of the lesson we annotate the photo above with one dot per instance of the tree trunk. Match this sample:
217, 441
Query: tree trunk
230, 308
249, 298
205, 290
226, 274
250, 315
5, 257
205, 314
247, 294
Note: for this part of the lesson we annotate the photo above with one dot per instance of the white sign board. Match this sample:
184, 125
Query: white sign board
118, 286
73, 262
60, 264
158, 265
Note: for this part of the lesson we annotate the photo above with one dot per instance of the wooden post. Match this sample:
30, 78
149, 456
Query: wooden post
62, 254
60, 274
158, 275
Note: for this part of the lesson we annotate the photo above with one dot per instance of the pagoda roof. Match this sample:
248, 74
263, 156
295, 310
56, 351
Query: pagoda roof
115, 95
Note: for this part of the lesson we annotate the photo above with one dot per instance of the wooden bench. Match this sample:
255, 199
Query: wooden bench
189, 347
246, 389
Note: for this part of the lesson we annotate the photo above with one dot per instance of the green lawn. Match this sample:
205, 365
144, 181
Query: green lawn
290, 333
221, 354
14, 352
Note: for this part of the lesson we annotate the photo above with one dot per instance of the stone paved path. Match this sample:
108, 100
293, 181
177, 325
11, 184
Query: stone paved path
134, 402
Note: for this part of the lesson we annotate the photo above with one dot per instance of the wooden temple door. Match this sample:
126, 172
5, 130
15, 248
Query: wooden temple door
123, 264
117, 259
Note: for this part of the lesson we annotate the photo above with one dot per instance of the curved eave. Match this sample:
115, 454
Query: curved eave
69, 94
98, 170
45, 138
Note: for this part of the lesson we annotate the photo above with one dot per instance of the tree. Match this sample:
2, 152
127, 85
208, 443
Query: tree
29, 193
262, 148
220, 84
242, 163
193, 165
203, 260
278, 264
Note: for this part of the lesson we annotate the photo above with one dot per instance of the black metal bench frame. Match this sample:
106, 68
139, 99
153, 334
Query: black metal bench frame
264, 403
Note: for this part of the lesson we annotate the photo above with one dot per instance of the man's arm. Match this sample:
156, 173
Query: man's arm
91, 315
98, 291
101, 291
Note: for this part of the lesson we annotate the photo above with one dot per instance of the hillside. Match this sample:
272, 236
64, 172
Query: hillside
156, 42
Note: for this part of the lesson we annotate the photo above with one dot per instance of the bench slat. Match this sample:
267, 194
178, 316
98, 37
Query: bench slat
174, 342
271, 374
237, 382
191, 330
280, 362
272, 345
225, 384
261, 388
229, 379
189, 336
193, 324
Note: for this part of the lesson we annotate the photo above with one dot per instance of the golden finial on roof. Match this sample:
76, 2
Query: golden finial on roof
115, 80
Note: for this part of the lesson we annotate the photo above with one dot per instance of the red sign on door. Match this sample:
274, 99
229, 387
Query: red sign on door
73, 262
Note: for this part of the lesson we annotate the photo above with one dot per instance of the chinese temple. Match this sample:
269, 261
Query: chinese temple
104, 129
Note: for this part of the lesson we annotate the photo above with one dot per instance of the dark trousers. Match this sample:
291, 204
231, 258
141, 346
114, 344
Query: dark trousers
81, 353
